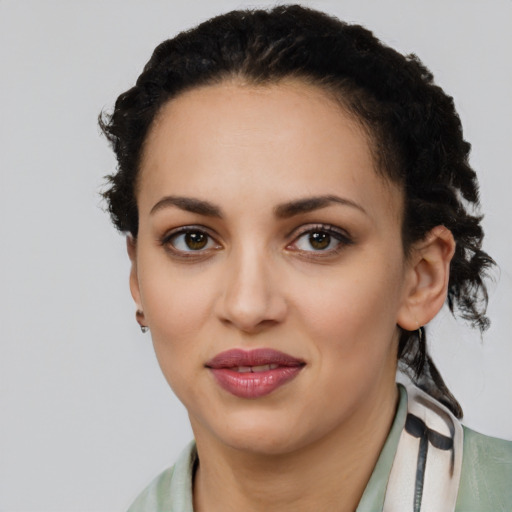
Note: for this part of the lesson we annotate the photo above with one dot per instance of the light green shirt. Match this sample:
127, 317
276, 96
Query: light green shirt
485, 485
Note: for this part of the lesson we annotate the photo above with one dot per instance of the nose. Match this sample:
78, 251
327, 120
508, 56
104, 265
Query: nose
251, 299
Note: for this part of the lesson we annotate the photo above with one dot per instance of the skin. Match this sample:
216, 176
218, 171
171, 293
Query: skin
312, 443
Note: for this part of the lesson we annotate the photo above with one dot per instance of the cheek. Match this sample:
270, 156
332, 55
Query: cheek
177, 306
177, 313
353, 310
173, 310
353, 337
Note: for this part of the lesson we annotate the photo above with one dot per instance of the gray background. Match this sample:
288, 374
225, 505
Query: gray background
86, 419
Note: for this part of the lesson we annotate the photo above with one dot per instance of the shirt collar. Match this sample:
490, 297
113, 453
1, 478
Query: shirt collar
375, 492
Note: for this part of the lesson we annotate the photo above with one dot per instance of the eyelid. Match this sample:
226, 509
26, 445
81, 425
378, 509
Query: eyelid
343, 237
167, 237
328, 228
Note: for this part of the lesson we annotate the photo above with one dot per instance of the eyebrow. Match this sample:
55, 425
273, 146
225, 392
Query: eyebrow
309, 204
188, 204
282, 211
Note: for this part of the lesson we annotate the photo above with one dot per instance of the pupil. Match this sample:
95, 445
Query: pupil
195, 240
319, 240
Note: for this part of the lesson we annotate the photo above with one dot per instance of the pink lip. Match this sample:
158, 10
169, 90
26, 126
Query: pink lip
253, 384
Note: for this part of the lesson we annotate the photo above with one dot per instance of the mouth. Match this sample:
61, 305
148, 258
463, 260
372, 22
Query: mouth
255, 373
255, 369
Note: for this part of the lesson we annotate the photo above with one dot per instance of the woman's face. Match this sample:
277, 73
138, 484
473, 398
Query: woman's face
265, 230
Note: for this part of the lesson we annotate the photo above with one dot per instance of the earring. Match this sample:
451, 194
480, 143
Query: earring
139, 315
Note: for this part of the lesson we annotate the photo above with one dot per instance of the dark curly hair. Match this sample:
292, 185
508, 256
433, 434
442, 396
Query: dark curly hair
415, 133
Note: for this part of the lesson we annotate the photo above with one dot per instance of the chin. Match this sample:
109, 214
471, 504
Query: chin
266, 442
261, 433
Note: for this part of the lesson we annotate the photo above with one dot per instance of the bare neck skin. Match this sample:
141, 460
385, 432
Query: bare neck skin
330, 475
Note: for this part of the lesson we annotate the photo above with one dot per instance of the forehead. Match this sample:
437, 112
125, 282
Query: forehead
261, 136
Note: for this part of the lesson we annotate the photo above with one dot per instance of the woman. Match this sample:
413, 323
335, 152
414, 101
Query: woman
298, 204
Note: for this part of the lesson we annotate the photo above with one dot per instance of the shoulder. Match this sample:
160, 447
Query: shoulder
171, 491
486, 477
156, 496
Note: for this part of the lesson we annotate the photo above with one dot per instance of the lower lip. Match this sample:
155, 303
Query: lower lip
257, 384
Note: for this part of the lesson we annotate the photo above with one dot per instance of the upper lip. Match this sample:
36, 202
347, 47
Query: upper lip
237, 357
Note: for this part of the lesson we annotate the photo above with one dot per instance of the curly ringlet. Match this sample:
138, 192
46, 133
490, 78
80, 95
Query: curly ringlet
414, 130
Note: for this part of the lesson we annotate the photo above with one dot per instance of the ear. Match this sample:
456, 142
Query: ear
427, 279
131, 248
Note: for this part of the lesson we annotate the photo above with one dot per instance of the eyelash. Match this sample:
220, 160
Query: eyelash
340, 236
166, 242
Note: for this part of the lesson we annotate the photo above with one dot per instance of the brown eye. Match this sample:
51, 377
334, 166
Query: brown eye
190, 240
319, 240
324, 240
196, 240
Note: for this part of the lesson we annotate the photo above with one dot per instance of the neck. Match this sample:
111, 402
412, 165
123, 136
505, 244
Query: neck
328, 475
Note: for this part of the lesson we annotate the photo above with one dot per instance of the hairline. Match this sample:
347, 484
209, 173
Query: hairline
331, 91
